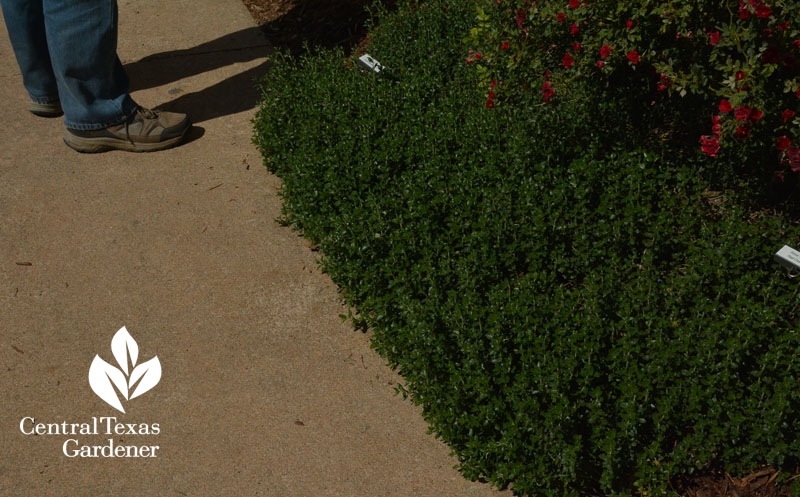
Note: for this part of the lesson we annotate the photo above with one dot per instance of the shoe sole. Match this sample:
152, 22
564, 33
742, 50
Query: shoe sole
105, 144
45, 110
46, 114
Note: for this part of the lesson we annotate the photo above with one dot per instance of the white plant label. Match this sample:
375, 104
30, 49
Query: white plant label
789, 258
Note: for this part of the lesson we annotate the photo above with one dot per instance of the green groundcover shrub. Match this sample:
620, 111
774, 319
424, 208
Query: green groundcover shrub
730, 65
574, 309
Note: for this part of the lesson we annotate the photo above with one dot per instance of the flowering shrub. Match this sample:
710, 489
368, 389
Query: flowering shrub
738, 59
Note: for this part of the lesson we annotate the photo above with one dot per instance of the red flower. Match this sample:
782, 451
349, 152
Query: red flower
763, 11
714, 38
796, 44
661, 87
573, 30
504, 46
573, 4
568, 60
794, 158
561, 17
755, 115
742, 131
605, 50
741, 113
710, 146
629, 24
600, 63
716, 130
478, 56
520, 18
490, 104
787, 114
725, 106
493, 84
715, 119
739, 75
547, 92
783, 143
490, 96
783, 26
576, 46
469, 60
633, 56
744, 13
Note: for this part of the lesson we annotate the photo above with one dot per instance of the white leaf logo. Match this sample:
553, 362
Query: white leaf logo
123, 345
103, 377
149, 372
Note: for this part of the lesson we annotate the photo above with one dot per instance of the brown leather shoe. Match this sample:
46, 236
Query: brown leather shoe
145, 131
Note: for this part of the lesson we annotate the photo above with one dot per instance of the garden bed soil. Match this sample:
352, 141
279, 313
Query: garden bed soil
292, 24
758, 484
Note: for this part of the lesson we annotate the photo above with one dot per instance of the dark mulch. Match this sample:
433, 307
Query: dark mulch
761, 483
291, 24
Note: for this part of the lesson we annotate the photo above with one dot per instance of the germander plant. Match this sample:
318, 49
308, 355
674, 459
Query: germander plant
573, 309
731, 65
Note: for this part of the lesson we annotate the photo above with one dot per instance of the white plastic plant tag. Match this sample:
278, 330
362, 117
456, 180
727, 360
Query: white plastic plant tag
369, 63
789, 258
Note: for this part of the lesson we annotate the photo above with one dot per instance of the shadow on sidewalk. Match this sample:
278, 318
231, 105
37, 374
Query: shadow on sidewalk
229, 96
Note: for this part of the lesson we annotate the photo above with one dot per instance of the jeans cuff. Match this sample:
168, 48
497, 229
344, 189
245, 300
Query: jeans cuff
43, 100
129, 108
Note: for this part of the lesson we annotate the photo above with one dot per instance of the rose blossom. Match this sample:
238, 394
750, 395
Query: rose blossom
710, 146
763, 11
741, 113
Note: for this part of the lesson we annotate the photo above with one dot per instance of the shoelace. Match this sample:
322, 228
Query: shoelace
147, 113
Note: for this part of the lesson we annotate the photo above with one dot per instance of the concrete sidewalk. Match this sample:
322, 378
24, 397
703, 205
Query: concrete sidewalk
264, 392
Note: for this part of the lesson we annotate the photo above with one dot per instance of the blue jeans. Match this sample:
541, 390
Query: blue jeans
67, 51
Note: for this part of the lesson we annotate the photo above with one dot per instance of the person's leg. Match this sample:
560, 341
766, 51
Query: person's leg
25, 23
82, 41
72, 54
